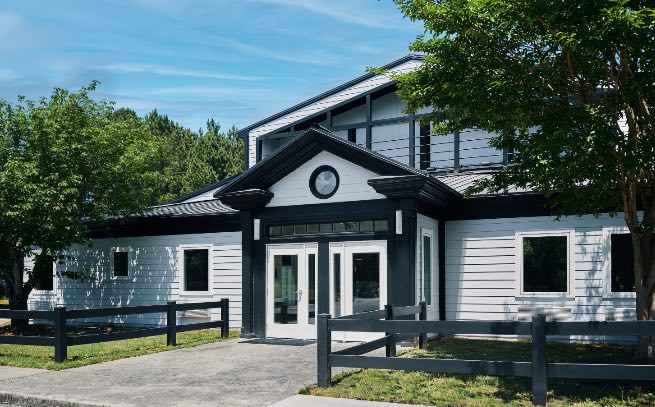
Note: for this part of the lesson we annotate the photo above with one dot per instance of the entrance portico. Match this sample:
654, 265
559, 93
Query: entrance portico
322, 234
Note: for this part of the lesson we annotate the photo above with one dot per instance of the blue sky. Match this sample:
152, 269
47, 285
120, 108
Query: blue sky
234, 60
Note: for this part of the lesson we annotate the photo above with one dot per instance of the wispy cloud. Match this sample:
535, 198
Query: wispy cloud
312, 59
348, 14
162, 70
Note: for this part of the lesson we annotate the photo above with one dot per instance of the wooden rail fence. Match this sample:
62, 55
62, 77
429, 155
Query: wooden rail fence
60, 317
539, 369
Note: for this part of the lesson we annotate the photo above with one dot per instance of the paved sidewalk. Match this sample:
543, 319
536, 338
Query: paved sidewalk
10, 372
229, 373
314, 401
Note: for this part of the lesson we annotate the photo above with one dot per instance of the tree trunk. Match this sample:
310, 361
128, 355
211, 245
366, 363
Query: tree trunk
18, 303
644, 269
17, 291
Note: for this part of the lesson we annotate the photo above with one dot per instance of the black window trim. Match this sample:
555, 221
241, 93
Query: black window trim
313, 177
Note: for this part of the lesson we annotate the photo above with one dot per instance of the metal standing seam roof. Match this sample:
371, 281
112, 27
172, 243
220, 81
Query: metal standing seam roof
461, 182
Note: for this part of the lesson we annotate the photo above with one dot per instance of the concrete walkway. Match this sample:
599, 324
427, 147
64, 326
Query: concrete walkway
233, 373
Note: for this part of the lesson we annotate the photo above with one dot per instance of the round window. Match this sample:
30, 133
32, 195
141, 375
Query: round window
324, 182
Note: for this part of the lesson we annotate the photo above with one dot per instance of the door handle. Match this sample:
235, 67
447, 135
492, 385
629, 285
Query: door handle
299, 294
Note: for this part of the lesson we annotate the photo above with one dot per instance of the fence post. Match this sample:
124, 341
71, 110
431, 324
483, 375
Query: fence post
61, 346
391, 342
324, 348
539, 386
171, 323
423, 316
225, 316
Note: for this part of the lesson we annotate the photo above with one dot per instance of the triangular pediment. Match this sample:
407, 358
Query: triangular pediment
304, 148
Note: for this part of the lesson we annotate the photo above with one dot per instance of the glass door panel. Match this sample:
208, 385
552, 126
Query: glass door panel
366, 282
311, 289
286, 289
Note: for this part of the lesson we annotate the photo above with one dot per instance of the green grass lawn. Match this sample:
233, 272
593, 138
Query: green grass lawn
82, 355
453, 390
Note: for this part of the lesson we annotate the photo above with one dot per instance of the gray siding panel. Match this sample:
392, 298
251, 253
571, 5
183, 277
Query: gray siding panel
482, 276
154, 276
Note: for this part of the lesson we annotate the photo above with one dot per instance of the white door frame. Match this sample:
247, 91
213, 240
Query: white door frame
302, 329
346, 250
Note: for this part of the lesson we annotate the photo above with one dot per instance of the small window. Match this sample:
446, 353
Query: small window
196, 270
121, 260
545, 264
45, 282
622, 263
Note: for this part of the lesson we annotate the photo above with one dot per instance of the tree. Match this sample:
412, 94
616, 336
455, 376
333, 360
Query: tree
568, 87
192, 160
65, 161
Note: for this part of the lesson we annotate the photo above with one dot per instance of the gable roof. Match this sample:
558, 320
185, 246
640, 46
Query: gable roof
411, 57
304, 147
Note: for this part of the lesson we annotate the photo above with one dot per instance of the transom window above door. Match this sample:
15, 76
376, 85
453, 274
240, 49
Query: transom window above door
365, 226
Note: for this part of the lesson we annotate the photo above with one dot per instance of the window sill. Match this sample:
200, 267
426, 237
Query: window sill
195, 293
546, 298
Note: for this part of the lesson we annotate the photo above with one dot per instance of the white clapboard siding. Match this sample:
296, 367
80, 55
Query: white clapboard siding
481, 277
323, 104
293, 189
154, 277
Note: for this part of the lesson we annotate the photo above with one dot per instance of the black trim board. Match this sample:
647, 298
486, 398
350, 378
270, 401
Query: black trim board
500, 206
159, 226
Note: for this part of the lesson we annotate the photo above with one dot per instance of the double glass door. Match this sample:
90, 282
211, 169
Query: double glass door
357, 283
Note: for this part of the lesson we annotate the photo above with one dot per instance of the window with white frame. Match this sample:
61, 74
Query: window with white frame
544, 262
195, 269
425, 271
119, 262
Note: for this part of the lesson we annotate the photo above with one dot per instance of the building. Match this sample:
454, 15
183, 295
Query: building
348, 204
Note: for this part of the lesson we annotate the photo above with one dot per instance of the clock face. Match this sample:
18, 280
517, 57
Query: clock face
324, 182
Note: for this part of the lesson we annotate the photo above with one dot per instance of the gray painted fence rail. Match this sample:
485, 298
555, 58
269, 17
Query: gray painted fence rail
538, 329
60, 316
